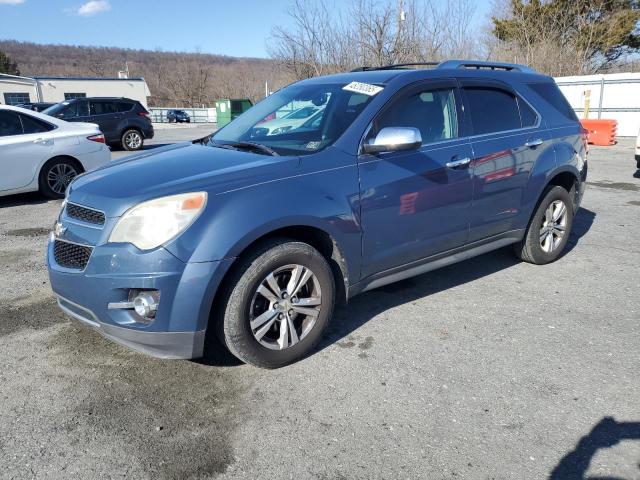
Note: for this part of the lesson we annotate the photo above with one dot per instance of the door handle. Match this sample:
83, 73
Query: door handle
458, 163
533, 143
40, 141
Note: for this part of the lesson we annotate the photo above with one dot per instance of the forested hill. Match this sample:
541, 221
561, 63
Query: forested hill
174, 78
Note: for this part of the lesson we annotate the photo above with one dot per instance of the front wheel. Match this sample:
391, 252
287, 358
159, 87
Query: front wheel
278, 304
549, 228
132, 140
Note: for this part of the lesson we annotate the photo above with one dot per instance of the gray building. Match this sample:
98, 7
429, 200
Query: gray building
15, 90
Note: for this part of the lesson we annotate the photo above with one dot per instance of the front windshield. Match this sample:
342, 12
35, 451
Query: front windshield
297, 120
55, 109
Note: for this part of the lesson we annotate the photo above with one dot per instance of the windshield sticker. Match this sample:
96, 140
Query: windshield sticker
364, 88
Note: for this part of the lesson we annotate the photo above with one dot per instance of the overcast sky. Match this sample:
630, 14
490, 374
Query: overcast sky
228, 27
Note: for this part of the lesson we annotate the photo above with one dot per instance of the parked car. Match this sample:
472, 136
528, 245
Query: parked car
290, 121
178, 116
254, 240
38, 152
37, 106
124, 122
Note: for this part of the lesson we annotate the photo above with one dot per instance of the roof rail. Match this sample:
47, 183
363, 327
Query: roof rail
397, 66
471, 64
480, 65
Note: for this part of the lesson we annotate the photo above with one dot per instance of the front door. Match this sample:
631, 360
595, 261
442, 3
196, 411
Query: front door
413, 204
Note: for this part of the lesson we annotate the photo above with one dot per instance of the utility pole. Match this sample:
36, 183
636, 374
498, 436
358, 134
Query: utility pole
399, 36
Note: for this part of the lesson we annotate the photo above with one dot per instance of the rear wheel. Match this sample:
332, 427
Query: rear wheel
56, 175
132, 140
278, 304
549, 228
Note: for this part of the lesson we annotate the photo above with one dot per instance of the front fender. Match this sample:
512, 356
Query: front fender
326, 200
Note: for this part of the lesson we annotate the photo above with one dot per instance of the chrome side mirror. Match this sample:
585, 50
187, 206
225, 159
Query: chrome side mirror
393, 139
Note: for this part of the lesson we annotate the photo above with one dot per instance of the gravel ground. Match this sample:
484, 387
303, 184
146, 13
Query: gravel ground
488, 369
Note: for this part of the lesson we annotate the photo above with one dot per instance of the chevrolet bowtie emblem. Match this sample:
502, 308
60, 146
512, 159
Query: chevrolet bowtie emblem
59, 229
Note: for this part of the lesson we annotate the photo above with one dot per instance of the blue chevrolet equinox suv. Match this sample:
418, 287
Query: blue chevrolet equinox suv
252, 236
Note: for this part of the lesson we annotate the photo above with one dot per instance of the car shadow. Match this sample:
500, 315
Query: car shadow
605, 434
362, 308
582, 223
31, 198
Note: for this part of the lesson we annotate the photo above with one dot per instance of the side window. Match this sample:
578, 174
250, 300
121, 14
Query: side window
83, 108
9, 124
124, 106
553, 96
33, 125
102, 107
492, 110
432, 111
528, 116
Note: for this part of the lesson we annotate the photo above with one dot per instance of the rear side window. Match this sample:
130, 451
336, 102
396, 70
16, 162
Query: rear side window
33, 125
9, 124
492, 110
554, 97
101, 107
124, 106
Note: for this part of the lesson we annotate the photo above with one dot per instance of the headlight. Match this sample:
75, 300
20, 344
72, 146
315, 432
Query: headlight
150, 224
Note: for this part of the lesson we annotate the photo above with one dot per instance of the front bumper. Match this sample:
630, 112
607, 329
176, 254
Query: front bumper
186, 296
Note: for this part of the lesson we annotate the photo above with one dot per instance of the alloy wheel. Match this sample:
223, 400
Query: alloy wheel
285, 307
60, 176
554, 226
133, 140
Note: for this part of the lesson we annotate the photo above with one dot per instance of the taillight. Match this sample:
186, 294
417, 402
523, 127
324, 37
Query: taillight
144, 114
97, 138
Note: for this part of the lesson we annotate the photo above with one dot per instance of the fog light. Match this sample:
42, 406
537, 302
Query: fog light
145, 305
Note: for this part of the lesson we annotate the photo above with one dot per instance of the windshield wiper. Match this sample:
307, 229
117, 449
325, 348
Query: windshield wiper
250, 146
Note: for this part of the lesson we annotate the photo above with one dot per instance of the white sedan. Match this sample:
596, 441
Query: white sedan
39, 152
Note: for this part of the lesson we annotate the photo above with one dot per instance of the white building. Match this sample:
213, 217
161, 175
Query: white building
15, 90
614, 96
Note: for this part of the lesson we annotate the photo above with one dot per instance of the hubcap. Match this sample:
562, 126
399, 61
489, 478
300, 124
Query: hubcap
285, 307
554, 226
59, 177
133, 140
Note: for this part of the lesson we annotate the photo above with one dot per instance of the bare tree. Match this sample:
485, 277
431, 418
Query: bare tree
325, 38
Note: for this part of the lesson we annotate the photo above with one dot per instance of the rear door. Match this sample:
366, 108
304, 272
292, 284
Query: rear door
508, 137
105, 113
24, 145
414, 205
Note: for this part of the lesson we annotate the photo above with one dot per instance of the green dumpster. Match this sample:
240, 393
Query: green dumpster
229, 108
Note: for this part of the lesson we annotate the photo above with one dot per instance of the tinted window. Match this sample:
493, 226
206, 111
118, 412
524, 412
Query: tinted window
102, 107
433, 112
528, 116
33, 125
72, 95
492, 110
554, 97
124, 106
9, 124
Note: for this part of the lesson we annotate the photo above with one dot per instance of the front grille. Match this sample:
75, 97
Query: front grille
85, 214
71, 255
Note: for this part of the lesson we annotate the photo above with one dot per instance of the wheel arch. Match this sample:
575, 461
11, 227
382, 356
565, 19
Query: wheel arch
59, 157
317, 237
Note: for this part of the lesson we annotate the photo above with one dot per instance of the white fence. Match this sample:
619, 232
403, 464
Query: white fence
197, 115
614, 96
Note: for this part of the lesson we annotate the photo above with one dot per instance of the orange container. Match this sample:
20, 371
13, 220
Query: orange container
600, 132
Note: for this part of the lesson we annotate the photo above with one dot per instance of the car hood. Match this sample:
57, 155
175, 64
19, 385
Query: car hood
174, 169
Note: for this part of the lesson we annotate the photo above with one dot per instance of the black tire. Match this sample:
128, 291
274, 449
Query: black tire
233, 315
66, 167
132, 140
530, 248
